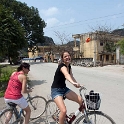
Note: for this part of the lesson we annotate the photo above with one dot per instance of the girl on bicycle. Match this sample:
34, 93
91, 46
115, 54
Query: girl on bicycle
16, 85
59, 89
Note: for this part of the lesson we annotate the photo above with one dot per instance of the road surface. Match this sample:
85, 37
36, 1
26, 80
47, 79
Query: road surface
108, 80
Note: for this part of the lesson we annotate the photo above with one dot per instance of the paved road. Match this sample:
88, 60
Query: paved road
108, 80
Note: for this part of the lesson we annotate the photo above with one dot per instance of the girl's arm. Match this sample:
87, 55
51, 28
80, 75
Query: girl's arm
69, 77
24, 85
72, 76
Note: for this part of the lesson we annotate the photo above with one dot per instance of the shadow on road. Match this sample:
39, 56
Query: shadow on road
35, 63
36, 82
40, 120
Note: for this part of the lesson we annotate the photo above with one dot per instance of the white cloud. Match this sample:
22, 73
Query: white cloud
120, 5
51, 22
50, 11
69, 11
72, 20
55, 22
114, 17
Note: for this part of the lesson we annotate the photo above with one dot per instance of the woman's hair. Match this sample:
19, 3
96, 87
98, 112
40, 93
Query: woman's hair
63, 54
25, 65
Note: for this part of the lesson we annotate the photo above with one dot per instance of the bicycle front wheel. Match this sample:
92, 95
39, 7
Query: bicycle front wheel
37, 105
7, 116
52, 112
96, 117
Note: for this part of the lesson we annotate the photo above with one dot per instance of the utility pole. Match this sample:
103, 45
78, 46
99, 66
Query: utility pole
94, 53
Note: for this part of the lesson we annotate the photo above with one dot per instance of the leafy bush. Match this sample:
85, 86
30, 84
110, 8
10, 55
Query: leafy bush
5, 72
1, 59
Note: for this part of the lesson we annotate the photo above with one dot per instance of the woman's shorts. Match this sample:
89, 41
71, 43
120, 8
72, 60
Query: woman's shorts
59, 92
22, 103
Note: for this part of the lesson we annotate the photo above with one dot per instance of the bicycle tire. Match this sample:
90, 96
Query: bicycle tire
4, 114
37, 105
51, 110
96, 117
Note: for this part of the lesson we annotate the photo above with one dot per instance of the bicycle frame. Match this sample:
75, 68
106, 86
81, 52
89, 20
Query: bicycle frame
14, 109
17, 113
29, 99
69, 119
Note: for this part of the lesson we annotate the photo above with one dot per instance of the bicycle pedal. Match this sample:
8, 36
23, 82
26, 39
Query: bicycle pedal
55, 117
85, 122
21, 120
71, 114
51, 123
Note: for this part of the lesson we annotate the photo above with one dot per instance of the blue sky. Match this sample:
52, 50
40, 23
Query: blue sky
78, 16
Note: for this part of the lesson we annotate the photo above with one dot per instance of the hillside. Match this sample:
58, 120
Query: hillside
118, 32
49, 41
71, 43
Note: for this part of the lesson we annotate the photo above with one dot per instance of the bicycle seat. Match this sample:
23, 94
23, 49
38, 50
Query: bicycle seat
64, 97
12, 104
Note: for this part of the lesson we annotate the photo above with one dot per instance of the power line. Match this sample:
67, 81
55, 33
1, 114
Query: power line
87, 20
68, 25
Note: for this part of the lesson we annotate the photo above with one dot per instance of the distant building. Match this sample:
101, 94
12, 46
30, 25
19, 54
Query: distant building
53, 52
119, 57
94, 48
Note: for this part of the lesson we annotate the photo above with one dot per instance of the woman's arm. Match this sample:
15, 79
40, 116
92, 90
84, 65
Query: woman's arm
69, 77
24, 84
72, 76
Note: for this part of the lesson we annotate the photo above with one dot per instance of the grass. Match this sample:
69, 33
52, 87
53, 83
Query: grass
2, 93
5, 72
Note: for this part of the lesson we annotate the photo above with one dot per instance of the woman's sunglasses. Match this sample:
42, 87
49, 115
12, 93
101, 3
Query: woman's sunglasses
27, 68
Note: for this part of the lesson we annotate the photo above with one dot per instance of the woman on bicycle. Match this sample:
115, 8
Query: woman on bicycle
16, 85
59, 89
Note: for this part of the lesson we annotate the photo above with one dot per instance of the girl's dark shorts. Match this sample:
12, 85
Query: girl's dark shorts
59, 92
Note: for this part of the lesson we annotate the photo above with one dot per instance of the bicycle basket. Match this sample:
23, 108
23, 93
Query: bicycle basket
93, 101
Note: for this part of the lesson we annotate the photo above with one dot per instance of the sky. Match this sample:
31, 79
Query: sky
71, 17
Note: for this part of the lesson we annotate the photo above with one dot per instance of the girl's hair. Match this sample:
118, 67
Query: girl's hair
25, 65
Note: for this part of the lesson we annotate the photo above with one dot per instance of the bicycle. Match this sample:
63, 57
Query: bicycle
37, 105
91, 114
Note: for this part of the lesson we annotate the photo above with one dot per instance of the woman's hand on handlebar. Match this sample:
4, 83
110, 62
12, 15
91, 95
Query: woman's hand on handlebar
77, 85
29, 89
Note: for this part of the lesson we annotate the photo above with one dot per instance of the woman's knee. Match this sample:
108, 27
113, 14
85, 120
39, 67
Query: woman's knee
63, 112
80, 100
60, 103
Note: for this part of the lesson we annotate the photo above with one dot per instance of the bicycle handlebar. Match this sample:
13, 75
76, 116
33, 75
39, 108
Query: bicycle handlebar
81, 88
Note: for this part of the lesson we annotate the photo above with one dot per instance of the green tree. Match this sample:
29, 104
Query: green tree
29, 19
121, 44
110, 47
104, 35
11, 35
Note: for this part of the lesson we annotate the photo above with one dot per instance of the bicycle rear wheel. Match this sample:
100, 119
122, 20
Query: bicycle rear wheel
96, 117
7, 115
37, 105
52, 112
